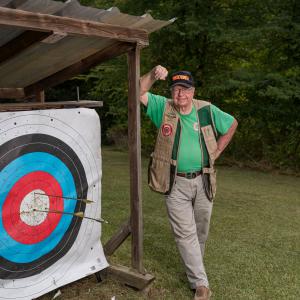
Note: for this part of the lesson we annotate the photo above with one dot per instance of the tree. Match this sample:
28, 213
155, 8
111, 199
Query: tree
244, 56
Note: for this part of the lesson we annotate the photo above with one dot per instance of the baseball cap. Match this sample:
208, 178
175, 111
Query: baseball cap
184, 78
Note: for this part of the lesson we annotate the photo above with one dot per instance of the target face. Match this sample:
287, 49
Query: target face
47, 165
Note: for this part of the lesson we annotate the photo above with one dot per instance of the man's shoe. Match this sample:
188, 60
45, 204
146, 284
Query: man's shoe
202, 293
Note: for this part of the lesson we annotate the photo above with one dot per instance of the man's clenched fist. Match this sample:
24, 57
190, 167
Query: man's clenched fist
159, 73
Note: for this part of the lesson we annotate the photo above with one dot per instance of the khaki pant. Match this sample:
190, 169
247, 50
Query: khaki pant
189, 213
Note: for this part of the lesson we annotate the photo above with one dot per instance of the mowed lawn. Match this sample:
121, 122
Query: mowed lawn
253, 250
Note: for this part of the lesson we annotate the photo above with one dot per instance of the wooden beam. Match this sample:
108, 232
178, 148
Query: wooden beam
12, 93
45, 22
134, 142
129, 277
40, 96
117, 239
20, 43
54, 38
82, 66
47, 105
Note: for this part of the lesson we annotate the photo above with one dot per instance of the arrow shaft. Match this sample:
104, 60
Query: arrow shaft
67, 198
78, 214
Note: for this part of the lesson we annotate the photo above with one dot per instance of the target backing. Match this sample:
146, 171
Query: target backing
49, 161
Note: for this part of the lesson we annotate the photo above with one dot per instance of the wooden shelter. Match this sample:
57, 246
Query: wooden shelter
45, 42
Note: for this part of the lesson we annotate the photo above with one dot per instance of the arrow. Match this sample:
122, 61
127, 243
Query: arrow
78, 214
67, 198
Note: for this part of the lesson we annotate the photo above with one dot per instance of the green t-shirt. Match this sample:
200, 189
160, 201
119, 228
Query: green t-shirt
189, 156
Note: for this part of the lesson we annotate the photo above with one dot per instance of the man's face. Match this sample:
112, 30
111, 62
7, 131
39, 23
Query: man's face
182, 95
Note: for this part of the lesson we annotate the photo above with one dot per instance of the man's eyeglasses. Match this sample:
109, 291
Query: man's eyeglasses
183, 90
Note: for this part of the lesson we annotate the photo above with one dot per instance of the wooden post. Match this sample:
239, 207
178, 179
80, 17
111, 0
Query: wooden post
40, 96
134, 142
135, 276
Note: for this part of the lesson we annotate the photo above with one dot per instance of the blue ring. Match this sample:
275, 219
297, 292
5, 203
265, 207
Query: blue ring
14, 171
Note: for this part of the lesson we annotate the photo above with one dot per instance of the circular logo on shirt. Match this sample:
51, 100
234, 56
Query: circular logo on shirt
196, 126
166, 130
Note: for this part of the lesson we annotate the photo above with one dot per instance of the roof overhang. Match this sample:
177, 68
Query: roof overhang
69, 26
44, 43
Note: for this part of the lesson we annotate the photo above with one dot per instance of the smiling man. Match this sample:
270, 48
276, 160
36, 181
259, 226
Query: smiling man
192, 135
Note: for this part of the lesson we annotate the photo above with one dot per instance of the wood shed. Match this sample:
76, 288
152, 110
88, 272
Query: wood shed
44, 43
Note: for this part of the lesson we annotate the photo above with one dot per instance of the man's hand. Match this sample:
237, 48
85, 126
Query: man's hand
159, 73
146, 81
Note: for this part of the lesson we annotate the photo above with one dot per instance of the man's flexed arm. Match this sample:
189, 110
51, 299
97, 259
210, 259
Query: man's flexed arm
224, 140
146, 81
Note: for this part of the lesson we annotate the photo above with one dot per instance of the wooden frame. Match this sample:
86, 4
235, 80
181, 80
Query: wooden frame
48, 23
135, 276
48, 105
127, 40
18, 44
109, 52
112, 51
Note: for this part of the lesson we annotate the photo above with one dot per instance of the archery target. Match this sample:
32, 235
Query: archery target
48, 162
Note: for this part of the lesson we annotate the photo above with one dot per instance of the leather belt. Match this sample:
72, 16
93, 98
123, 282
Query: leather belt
190, 175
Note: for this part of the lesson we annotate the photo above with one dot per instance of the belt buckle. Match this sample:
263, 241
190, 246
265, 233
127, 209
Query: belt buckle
191, 175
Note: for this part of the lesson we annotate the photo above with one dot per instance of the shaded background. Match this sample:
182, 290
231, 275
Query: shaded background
244, 56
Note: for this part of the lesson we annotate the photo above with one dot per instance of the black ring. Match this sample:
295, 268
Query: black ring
29, 143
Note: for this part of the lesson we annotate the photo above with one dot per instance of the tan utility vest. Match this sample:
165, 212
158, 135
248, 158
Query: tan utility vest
163, 164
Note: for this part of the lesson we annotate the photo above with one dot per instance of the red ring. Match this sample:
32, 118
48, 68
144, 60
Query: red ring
13, 224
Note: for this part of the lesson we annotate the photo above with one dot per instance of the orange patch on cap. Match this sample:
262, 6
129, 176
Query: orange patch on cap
178, 77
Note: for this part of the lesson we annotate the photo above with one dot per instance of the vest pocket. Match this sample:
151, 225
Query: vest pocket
159, 174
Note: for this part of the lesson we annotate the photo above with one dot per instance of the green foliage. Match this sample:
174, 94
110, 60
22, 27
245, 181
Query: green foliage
244, 56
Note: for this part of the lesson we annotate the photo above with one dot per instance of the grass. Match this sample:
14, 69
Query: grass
253, 250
